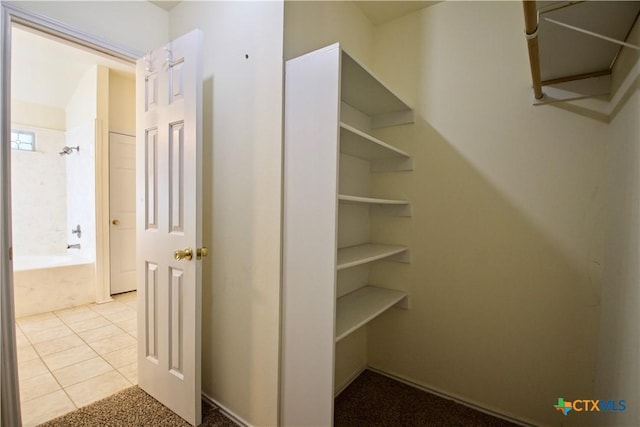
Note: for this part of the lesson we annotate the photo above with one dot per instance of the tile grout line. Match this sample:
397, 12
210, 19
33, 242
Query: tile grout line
99, 355
53, 375
67, 324
48, 370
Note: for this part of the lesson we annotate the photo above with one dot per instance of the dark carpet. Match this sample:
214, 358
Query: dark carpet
371, 400
133, 407
375, 400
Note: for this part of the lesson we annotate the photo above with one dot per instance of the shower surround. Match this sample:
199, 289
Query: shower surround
52, 195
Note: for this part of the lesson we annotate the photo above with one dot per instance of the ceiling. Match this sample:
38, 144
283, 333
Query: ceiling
378, 12
165, 4
47, 71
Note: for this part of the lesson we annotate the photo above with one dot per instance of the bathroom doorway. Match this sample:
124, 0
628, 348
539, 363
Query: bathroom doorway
75, 344
68, 104
53, 140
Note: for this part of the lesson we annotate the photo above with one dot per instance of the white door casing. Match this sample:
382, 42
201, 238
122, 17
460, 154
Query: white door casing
168, 183
122, 215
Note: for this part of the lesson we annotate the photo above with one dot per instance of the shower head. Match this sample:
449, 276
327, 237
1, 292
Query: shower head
69, 150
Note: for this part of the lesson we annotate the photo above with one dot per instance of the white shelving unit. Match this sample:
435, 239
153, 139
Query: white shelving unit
331, 105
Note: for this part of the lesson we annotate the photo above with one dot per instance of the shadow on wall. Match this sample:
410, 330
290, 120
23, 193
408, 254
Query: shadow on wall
499, 315
591, 113
618, 366
218, 294
208, 314
226, 315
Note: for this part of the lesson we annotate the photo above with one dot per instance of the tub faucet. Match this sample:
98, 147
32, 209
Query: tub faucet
75, 246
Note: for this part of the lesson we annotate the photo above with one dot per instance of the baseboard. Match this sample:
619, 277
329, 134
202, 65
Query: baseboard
394, 376
351, 379
458, 399
226, 411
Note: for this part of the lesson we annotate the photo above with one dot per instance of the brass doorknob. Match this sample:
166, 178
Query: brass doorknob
202, 252
115, 222
186, 253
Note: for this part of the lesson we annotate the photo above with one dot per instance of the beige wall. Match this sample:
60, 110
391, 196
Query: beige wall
618, 367
619, 356
43, 116
506, 252
137, 25
310, 25
242, 174
122, 102
82, 106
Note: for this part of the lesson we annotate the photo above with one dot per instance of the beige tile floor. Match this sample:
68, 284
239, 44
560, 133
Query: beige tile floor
70, 358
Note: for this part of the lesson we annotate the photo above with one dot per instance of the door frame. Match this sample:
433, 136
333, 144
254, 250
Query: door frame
11, 13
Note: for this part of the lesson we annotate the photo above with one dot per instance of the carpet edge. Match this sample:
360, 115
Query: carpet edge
226, 411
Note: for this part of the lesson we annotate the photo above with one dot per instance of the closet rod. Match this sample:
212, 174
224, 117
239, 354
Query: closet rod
531, 33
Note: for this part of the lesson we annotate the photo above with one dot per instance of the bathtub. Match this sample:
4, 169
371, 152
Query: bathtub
43, 283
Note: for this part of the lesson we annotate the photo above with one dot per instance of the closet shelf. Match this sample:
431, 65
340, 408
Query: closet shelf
359, 144
369, 252
370, 200
360, 307
366, 92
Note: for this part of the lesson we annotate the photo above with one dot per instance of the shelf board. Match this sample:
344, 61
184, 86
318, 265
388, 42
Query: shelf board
356, 309
364, 91
370, 200
387, 207
359, 144
369, 252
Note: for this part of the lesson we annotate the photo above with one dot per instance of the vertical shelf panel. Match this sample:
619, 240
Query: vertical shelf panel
312, 102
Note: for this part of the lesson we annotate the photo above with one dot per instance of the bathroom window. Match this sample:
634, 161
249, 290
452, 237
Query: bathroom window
23, 140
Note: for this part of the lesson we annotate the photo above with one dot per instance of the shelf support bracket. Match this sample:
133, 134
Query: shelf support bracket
391, 210
395, 164
403, 304
392, 119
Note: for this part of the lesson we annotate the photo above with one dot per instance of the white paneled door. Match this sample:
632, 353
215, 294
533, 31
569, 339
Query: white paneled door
168, 217
122, 212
